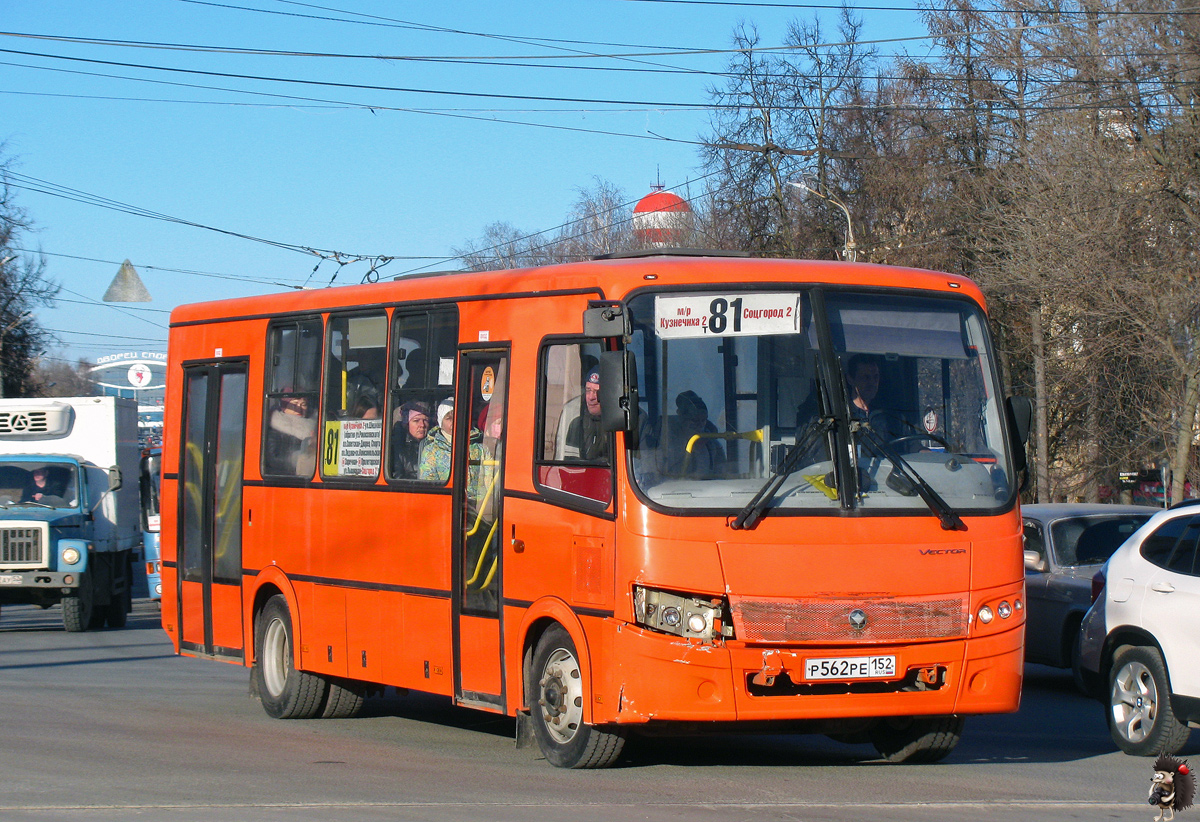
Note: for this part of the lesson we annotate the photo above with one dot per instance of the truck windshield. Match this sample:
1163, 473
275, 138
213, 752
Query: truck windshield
737, 385
39, 484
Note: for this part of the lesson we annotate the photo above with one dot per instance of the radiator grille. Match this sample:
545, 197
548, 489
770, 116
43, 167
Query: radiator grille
889, 619
23, 547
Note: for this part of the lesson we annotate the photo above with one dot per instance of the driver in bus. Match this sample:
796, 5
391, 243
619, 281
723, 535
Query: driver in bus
864, 376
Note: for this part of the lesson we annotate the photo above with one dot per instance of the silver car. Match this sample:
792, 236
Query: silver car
1065, 545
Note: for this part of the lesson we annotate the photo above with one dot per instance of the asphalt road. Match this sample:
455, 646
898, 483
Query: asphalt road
110, 725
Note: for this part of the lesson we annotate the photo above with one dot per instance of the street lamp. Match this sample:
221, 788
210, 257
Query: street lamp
850, 250
3, 334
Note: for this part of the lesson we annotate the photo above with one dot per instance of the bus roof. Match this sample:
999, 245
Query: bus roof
608, 279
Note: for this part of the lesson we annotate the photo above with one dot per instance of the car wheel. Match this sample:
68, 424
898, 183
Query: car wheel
1140, 717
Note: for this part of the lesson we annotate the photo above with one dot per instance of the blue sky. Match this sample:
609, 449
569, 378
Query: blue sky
363, 171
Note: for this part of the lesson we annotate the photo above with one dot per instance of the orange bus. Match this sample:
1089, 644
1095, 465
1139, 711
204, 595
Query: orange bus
648, 491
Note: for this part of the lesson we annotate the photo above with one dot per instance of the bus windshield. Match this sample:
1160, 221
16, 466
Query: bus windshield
39, 484
151, 472
745, 387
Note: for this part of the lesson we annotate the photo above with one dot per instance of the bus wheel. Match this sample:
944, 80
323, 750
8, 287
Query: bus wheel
556, 697
917, 739
285, 692
77, 608
344, 700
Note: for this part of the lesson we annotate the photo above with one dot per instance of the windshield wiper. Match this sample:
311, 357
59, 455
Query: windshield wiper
907, 481
755, 508
33, 502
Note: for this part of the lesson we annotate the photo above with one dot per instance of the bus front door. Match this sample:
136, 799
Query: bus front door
479, 433
210, 505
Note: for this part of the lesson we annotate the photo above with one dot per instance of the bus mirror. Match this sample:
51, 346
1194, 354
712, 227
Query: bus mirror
618, 391
1020, 414
602, 320
1020, 420
115, 481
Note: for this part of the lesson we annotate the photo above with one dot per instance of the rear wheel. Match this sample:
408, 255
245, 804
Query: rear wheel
1140, 718
285, 692
119, 606
556, 697
917, 739
344, 700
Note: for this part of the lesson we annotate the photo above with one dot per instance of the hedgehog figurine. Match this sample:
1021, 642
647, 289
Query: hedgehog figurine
1172, 788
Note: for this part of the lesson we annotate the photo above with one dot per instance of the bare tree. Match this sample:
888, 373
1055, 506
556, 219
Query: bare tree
24, 287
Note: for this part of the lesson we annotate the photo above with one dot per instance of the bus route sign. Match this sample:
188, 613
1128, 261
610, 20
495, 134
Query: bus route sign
727, 315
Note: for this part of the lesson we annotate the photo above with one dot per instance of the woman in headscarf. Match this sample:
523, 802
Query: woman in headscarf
408, 438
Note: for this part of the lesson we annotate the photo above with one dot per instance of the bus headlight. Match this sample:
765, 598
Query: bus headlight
692, 617
70, 556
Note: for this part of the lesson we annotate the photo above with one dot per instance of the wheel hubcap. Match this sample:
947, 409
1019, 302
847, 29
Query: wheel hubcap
276, 652
561, 701
1134, 701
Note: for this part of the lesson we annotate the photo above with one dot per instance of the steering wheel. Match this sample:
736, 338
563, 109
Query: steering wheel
914, 437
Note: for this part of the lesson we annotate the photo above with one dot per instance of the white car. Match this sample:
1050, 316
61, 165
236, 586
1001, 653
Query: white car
1140, 642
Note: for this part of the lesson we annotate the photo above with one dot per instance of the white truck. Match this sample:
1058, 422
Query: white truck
69, 506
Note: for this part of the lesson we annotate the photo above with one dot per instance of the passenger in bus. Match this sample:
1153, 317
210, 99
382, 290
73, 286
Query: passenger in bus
291, 438
586, 436
436, 453
707, 457
408, 438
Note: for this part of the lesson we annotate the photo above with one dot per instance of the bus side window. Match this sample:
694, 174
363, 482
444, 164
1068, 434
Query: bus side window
355, 364
423, 356
575, 454
290, 408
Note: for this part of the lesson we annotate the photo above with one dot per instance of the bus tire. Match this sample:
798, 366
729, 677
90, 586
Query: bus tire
77, 608
917, 739
285, 692
556, 694
1141, 720
344, 700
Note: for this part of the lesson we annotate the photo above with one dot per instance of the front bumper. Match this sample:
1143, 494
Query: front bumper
656, 677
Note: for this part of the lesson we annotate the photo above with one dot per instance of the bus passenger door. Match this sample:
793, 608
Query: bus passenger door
478, 529
210, 533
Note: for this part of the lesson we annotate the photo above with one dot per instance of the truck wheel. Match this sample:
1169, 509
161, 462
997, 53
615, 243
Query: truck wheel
917, 739
1140, 718
556, 697
119, 606
285, 692
77, 608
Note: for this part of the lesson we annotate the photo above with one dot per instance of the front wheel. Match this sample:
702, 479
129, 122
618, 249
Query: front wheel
917, 739
1140, 718
78, 608
285, 692
556, 698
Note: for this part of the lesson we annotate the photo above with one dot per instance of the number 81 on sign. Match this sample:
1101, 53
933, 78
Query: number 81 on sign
727, 315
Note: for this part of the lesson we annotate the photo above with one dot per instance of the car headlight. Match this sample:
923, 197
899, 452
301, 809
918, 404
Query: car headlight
70, 556
693, 617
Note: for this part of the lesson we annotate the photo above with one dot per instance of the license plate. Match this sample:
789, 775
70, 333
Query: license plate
850, 667
10, 579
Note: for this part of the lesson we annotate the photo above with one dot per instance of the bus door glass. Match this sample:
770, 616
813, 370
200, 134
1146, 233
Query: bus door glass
478, 442
210, 539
